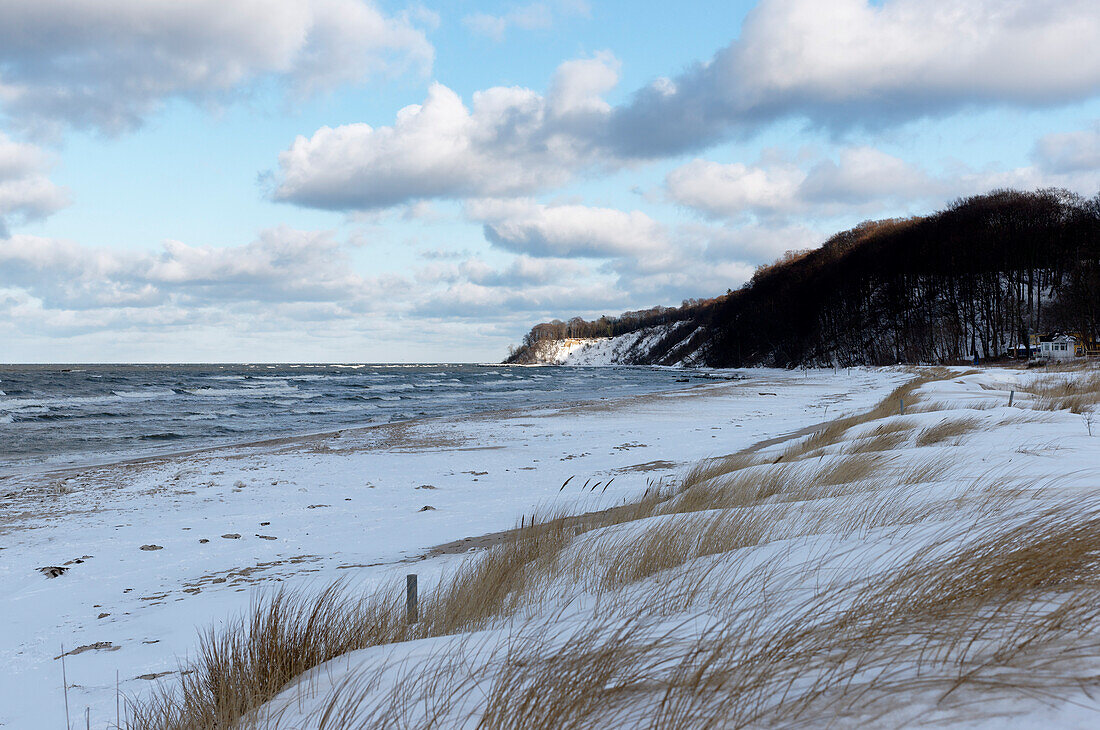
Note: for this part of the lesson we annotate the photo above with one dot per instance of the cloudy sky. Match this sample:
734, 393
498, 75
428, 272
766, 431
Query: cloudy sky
361, 180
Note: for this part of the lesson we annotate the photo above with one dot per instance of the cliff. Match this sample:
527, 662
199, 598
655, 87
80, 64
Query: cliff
977, 277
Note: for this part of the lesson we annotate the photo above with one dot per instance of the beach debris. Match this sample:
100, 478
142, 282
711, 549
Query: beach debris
203, 541
316, 506
103, 615
97, 646
232, 536
264, 524
152, 547
52, 571
267, 537
427, 486
426, 508
758, 393
153, 675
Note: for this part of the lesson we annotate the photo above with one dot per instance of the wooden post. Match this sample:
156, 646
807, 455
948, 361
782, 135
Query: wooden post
1010, 394
411, 614
901, 406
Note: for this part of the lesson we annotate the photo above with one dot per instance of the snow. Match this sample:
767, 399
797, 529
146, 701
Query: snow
616, 350
347, 505
344, 505
559, 352
627, 349
1017, 465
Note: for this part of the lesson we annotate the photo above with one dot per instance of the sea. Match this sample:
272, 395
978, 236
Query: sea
56, 416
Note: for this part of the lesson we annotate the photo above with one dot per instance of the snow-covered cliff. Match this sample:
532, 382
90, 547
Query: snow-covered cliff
671, 344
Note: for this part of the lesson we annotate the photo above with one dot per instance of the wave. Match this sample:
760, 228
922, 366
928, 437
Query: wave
145, 393
397, 387
245, 391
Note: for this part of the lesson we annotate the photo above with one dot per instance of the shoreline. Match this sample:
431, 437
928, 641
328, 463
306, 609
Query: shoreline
30, 471
157, 546
305, 437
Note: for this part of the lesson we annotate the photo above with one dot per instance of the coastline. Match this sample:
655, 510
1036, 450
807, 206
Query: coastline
346, 504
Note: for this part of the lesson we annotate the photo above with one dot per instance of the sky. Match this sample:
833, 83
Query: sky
369, 181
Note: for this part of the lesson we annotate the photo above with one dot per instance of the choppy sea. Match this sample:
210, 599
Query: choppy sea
55, 416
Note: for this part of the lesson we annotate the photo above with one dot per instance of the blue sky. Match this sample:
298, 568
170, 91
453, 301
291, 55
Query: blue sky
345, 180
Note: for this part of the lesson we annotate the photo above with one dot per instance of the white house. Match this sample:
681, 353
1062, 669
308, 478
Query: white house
1057, 347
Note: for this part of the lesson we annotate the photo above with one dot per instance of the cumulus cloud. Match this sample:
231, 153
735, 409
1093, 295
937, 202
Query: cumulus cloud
861, 179
26, 192
106, 65
838, 65
860, 63
524, 226
510, 141
533, 16
282, 266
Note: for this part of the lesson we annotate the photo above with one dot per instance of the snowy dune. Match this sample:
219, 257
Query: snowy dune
938, 567
153, 551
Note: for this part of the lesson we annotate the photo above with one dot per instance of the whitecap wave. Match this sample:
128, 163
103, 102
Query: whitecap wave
258, 391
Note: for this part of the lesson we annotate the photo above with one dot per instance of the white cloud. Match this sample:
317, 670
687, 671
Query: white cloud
26, 193
532, 16
522, 225
850, 63
107, 64
841, 65
510, 141
282, 266
724, 190
862, 179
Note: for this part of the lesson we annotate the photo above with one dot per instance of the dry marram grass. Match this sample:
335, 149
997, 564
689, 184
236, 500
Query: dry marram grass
1001, 609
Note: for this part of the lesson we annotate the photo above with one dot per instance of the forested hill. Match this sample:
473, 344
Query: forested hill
979, 276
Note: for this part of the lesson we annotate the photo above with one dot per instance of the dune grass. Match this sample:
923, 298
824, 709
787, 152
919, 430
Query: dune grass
989, 610
1075, 394
972, 619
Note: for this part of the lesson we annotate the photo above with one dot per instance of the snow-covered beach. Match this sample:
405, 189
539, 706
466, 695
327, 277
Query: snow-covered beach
157, 549
930, 561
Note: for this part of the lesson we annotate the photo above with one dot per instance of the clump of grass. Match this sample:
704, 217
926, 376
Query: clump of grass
1075, 394
707, 469
251, 659
970, 620
682, 539
885, 437
949, 428
244, 665
492, 585
835, 431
